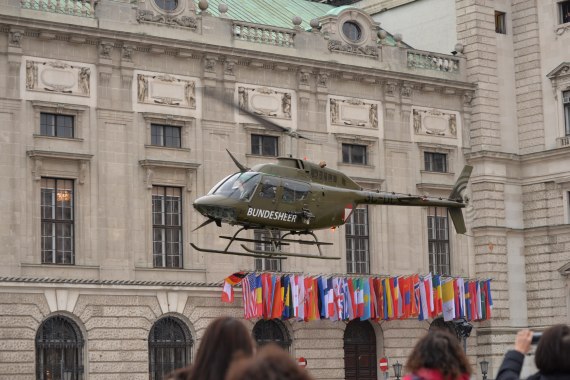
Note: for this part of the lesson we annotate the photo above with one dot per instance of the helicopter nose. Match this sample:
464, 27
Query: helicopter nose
210, 207
201, 205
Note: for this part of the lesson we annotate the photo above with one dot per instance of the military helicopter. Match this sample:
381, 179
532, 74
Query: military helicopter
296, 197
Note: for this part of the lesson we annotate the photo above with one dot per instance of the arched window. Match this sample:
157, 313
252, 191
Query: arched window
59, 350
440, 324
359, 351
271, 331
169, 347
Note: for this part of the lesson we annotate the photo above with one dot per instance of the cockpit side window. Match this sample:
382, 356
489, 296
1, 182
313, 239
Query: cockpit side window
268, 188
295, 191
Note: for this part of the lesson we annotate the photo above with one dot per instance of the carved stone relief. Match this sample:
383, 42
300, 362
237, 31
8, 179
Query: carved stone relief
148, 16
58, 76
127, 53
433, 122
322, 79
353, 112
265, 101
338, 46
15, 38
167, 90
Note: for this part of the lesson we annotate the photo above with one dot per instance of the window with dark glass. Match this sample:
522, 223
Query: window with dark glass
566, 103
167, 226
352, 31
263, 145
500, 22
56, 125
271, 331
438, 241
564, 8
354, 154
435, 162
167, 5
165, 135
57, 204
357, 242
169, 347
263, 243
59, 350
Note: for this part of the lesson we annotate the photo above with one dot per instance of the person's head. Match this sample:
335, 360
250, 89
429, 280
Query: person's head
439, 350
224, 339
271, 363
553, 350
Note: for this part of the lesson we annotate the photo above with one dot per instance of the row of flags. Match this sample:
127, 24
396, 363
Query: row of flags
307, 298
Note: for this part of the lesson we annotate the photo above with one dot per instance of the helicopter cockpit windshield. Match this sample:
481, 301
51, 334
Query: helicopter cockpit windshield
238, 186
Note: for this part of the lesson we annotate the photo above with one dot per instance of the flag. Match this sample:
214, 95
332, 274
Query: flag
235, 278
388, 298
473, 298
347, 312
267, 290
407, 297
248, 295
301, 297
258, 297
468, 312
479, 300
286, 286
380, 296
428, 295
229, 283
456, 298
331, 303
483, 300
424, 308
351, 293
489, 299
277, 304
416, 299
395, 295
461, 287
448, 300
437, 295
359, 298
366, 300
373, 299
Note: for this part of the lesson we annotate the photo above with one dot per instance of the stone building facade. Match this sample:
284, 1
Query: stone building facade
114, 111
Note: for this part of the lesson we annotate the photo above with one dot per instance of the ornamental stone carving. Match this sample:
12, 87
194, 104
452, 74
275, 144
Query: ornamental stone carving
105, 51
148, 16
367, 51
229, 67
165, 89
434, 122
304, 78
127, 53
58, 76
15, 38
266, 101
353, 112
322, 79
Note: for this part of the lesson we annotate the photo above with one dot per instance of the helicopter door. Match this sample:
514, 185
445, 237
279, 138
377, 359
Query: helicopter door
294, 196
266, 197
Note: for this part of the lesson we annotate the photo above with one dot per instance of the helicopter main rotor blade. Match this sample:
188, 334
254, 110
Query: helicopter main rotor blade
271, 125
241, 167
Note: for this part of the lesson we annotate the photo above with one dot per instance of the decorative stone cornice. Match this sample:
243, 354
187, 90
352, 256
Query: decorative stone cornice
38, 280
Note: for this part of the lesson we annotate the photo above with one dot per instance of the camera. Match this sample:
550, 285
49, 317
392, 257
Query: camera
535, 337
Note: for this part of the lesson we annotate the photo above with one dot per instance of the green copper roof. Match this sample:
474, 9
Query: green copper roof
271, 12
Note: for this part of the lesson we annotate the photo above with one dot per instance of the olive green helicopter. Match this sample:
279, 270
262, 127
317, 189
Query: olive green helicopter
296, 197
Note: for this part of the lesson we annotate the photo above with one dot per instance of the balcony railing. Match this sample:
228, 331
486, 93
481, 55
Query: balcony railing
83, 8
563, 141
263, 34
433, 61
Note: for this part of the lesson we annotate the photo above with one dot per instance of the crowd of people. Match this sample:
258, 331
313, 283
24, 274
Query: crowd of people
228, 352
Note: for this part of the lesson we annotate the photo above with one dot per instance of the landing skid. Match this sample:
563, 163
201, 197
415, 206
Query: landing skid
276, 244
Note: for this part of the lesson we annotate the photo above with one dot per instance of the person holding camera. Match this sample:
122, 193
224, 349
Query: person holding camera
552, 355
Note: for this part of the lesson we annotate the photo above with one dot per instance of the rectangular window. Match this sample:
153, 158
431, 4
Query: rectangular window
165, 135
56, 125
354, 154
564, 7
57, 221
357, 242
262, 145
167, 226
262, 264
438, 241
566, 105
435, 162
500, 22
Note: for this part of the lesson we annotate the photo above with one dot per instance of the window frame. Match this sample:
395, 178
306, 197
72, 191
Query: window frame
500, 22
265, 264
430, 162
350, 156
164, 136
56, 126
78, 113
263, 137
175, 346
563, 6
435, 240
54, 222
164, 255
360, 265
185, 123
566, 111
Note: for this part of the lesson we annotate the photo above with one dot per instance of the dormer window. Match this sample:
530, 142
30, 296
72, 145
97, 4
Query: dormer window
352, 31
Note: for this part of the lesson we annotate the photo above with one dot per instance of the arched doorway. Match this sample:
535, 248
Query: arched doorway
271, 331
359, 351
59, 350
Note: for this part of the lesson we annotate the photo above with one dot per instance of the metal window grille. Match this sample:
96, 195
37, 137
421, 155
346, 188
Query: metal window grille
56, 125
263, 264
262, 145
59, 350
354, 154
438, 241
169, 346
57, 218
167, 226
435, 162
271, 331
357, 242
165, 135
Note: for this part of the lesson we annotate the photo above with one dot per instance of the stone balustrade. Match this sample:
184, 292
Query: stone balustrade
84, 8
432, 61
563, 141
263, 34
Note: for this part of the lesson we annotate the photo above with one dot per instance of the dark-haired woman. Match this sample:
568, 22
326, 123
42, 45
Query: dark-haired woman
552, 357
225, 338
438, 356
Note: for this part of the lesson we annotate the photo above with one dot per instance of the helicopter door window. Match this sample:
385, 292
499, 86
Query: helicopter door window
295, 191
269, 188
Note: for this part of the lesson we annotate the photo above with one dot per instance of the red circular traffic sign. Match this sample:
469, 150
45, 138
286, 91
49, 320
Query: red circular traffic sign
302, 362
383, 364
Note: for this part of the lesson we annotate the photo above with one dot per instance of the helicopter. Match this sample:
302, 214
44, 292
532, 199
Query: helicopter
296, 197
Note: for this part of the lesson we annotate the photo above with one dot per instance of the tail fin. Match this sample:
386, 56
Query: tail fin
460, 185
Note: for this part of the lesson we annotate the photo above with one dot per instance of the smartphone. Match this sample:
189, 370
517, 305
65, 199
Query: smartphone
535, 337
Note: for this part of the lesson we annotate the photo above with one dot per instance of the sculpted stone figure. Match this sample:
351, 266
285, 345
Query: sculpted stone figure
31, 75
143, 88
286, 105
190, 91
373, 115
453, 125
334, 111
417, 121
242, 94
84, 75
